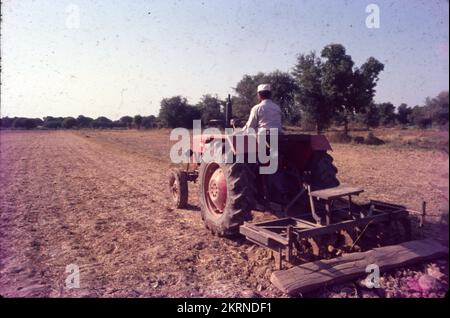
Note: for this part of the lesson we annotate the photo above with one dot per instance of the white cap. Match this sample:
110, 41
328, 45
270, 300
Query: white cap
263, 87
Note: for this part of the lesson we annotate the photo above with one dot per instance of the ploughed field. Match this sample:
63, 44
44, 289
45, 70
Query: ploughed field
99, 199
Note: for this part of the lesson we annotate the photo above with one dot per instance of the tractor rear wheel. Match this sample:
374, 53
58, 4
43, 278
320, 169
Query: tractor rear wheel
178, 188
226, 196
323, 172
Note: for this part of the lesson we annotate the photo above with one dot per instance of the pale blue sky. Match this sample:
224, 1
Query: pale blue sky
127, 55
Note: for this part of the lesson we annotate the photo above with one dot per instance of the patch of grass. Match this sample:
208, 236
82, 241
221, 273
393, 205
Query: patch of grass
339, 137
396, 137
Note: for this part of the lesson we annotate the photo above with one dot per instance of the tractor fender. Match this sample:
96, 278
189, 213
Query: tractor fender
320, 142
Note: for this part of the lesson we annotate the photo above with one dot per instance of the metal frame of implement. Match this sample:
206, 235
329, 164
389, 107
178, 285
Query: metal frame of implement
279, 235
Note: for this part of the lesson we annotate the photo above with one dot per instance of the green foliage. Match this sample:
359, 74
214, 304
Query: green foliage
308, 78
81, 121
403, 113
321, 90
371, 116
364, 82
348, 90
21, 123
149, 122
137, 121
435, 112
176, 112
6, 122
387, 113
127, 121
84, 122
336, 76
283, 93
438, 108
18, 122
330, 88
38, 121
210, 108
53, 122
420, 117
118, 124
30, 123
69, 122
102, 122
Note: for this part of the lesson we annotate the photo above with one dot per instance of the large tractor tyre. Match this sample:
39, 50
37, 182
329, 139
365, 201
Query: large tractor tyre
178, 188
323, 172
226, 195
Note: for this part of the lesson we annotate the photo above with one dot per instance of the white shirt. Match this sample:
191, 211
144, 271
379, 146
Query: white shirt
266, 115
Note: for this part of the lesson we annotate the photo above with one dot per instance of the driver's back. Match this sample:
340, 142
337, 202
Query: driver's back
265, 115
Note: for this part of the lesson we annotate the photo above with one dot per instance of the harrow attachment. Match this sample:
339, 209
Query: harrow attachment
333, 226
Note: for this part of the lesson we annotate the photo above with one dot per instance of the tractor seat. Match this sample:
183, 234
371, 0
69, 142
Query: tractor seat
329, 195
337, 192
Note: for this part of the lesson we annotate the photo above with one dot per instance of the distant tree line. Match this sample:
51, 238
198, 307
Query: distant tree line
81, 121
434, 113
321, 91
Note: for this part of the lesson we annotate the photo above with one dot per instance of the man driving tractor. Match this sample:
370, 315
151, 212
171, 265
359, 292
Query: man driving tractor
266, 114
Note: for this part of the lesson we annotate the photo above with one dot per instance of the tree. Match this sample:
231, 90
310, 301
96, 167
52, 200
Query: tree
371, 116
30, 123
137, 121
348, 90
403, 113
18, 122
69, 122
308, 77
102, 122
38, 121
387, 113
438, 107
210, 108
434, 113
362, 90
192, 113
283, 93
337, 79
420, 117
84, 122
53, 122
176, 112
127, 121
118, 124
149, 122
22, 122
6, 122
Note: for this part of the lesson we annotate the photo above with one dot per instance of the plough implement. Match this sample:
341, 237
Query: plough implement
334, 226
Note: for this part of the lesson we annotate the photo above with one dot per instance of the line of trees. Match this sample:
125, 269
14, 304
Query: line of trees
81, 121
434, 113
322, 90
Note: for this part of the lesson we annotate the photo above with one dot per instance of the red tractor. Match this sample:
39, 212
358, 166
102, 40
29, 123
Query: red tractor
230, 191
316, 215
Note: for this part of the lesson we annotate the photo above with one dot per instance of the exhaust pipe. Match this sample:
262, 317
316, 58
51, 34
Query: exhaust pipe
228, 112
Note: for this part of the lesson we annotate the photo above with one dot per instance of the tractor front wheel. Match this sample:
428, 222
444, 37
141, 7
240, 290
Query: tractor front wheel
178, 188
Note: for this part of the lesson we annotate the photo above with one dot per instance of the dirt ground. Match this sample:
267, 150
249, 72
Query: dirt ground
98, 199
